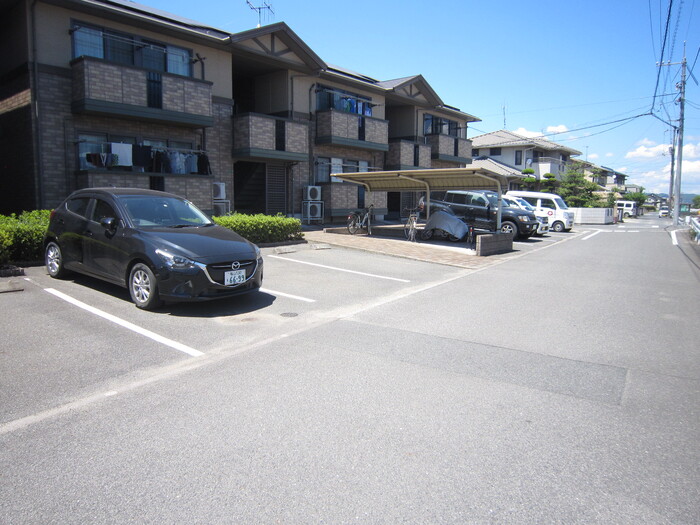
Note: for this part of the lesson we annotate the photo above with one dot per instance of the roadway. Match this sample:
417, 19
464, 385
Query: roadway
558, 383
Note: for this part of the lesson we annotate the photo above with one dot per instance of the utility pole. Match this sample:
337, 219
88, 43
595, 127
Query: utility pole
672, 151
677, 185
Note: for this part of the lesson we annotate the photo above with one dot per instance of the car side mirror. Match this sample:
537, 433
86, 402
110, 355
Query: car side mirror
109, 223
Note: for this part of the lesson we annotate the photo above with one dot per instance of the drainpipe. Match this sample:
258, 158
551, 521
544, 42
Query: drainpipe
34, 90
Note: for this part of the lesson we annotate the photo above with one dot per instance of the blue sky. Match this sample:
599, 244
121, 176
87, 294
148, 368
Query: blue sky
556, 66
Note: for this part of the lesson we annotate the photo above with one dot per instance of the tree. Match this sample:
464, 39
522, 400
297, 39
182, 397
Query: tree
696, 201
576, 190
529, 180
638, 196
550, 183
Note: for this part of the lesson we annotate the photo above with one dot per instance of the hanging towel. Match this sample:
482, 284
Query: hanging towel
124, 151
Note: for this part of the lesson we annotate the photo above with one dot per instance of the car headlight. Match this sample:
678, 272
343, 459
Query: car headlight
524, 218
176, 262
258, 253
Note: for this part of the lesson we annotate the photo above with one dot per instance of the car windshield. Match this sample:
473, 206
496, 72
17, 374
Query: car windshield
524, 204
560, 202
155, 211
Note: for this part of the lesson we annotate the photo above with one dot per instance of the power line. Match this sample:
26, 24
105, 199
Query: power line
663, 50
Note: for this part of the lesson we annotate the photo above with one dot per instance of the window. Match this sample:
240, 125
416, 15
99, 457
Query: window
475, 152
78, 206
494, 152
433, 125
102, 211
518, 157
130, 50
338, 99
89, 143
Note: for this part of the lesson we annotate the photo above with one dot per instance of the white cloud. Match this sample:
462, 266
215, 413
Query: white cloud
648, 151
526, 133
609, 154
593, 156
561, 128
691, 151
646, 142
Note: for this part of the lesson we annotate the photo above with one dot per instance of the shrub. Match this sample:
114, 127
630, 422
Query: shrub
22, 237
261, 228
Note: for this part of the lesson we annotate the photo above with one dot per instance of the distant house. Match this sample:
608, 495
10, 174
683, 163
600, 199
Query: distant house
520, 152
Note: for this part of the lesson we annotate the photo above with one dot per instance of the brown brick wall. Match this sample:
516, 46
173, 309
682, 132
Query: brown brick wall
60, 130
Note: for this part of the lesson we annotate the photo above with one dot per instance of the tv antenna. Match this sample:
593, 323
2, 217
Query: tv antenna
260, 9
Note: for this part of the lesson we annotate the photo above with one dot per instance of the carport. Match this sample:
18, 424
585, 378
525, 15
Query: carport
469, 178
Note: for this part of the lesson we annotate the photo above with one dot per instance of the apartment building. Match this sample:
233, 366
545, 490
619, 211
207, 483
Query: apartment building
539, 154
114, 93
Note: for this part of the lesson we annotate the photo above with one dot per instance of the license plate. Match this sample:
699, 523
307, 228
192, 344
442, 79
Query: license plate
234, 277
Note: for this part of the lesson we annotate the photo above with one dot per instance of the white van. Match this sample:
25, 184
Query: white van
519, 202
560, 218
628, 208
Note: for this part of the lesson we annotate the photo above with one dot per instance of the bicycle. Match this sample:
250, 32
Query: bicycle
409, 229
358, 219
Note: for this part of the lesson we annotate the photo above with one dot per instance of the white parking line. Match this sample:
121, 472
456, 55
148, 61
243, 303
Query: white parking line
591, 235
674, 239
126, 324
289, 296
340, 269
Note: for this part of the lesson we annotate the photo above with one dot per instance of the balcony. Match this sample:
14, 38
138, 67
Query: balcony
408, 155
257, 136
116, 90
450, 149
352, 130
552, 165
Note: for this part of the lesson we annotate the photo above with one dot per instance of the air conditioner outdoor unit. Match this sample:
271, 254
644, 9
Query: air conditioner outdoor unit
313, 209
219, 190
221, 208
312, 193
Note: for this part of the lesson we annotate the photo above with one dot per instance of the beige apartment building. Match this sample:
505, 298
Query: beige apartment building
114, 93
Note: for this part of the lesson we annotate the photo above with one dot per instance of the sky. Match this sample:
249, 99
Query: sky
577, 73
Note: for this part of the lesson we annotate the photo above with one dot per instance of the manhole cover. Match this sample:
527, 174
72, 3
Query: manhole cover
289, 314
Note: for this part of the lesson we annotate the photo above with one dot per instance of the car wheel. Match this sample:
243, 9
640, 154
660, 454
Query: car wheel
54, 261
143, 287
509, 227
426, 234
558, 227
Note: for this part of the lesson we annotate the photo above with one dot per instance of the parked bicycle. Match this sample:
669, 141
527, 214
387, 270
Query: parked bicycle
360, 219
410, 228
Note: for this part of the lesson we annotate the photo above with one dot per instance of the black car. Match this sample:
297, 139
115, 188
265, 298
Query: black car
158, 245
478, 208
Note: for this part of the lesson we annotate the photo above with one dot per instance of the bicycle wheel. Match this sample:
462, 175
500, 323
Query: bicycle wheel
353, 223
369, 226
407, 228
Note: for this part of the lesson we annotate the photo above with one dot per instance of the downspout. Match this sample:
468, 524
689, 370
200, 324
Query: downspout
39, 172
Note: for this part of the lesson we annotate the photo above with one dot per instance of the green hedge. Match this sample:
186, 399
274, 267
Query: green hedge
21, 237
261, 228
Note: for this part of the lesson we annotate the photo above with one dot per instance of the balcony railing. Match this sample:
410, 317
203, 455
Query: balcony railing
104, 88
352, 130
266, 137
451, 149
407, 154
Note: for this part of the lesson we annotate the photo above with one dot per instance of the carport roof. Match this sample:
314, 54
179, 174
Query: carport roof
468, 178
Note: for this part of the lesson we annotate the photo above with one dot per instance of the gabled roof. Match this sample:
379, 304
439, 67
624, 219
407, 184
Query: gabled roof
504, 138
278, 42
417, 90
495, 166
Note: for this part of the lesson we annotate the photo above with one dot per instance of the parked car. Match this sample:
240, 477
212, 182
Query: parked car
521, 203
628, 208
560, 218
478, 208
158, 245
663, 211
